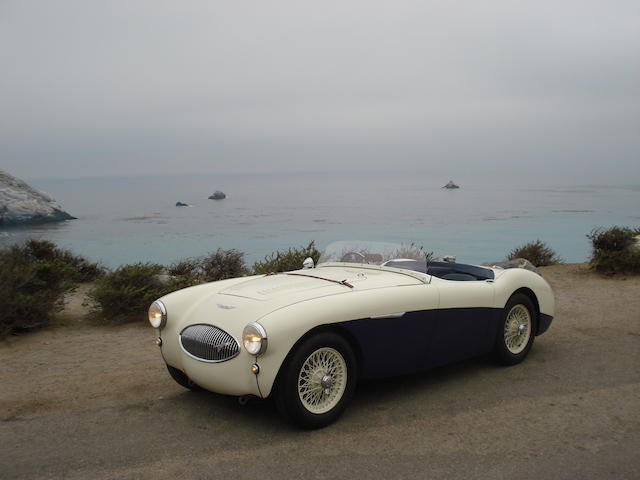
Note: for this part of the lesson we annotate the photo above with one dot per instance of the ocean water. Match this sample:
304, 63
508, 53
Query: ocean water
125, 220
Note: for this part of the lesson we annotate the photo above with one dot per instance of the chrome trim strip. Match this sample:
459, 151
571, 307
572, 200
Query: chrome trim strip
390, 315
217, 335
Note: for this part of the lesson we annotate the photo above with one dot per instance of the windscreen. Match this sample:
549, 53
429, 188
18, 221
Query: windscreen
375, 253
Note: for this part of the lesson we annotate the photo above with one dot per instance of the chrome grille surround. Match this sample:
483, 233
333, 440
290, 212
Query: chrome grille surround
208, 343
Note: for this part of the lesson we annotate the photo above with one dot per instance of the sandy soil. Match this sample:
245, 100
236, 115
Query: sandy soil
86, 401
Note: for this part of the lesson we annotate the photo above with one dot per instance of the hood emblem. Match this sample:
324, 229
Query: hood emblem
225, 307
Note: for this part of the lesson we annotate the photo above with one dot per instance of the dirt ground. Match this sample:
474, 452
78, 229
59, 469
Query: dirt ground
81, 401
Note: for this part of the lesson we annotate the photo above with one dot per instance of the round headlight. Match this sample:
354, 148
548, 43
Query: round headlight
157, 314
254, 338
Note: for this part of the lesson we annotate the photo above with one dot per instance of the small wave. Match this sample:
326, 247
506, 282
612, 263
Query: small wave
572, 211
144, 219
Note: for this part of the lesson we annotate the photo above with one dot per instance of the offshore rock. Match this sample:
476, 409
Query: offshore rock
451, 185
180, 204
21, 204
217, 195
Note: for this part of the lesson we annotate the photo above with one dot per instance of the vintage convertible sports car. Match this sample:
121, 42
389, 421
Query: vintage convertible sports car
367, 310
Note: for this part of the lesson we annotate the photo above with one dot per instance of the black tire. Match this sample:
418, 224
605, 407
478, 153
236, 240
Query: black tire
181, 378
519, 350
290, 393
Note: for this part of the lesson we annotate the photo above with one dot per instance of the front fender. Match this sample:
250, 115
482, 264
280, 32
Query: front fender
515, 279
287, 325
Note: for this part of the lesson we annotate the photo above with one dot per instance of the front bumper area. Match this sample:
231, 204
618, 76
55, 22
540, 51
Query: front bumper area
231, 377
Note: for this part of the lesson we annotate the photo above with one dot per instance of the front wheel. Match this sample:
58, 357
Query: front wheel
515, 333
318, 381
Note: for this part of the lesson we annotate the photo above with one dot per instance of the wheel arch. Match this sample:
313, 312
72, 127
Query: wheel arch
534, 299
339, 330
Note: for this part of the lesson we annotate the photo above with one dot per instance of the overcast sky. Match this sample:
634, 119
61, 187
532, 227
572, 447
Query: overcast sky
93, 88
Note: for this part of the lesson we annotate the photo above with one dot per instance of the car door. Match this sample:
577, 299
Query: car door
398, 342
462, 326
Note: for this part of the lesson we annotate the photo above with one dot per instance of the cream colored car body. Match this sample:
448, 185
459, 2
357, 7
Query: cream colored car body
290, 306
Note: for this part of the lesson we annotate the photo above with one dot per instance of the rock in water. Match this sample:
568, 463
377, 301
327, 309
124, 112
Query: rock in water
217, 195
451, 185
180, 204
21, 204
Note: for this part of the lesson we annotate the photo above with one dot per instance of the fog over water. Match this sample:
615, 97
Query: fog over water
540, 90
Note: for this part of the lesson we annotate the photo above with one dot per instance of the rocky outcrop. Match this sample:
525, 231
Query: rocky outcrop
217, 195
21, 204
515, 263
180, 204
451, 185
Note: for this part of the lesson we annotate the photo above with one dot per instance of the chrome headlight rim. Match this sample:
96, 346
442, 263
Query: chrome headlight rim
253, 334
156, 321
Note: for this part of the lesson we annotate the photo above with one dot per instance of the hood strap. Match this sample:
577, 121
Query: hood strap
339, 282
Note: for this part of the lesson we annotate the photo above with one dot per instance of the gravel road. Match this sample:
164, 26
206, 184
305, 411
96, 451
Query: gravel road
82, 401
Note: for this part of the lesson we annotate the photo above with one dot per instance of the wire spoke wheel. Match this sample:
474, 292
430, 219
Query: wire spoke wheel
517, 329
322, 380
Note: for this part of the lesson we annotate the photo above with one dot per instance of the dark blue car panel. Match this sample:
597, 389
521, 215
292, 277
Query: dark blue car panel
422, 339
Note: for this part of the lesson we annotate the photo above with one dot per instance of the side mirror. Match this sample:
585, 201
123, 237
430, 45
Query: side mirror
308, 263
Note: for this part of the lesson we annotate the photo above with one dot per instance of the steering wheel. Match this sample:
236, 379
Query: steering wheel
354, 257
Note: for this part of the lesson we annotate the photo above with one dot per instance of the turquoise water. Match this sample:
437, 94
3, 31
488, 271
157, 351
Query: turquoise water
124, 220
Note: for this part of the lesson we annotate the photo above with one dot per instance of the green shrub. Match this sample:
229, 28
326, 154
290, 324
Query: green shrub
186, 266
538, 253
126, 293
179, 282
614, 250
222, 264
82, 270
33, 280
285, 261
614, 239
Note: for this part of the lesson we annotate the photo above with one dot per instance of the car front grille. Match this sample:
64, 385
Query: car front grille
208, 343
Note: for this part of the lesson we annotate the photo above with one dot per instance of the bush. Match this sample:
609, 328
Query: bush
538, 253
222, 264
33, 280
126, 293
186, 266
82, 270
286, 261
614, 250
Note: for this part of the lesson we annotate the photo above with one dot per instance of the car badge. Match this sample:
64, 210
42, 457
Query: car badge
225, 307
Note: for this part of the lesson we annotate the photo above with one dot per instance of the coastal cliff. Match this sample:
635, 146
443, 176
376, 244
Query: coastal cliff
21, 204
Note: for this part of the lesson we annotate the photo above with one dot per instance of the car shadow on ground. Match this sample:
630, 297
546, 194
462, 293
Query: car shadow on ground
441, 389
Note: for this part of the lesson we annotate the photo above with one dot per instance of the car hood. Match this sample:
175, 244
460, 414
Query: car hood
322, 281
244, 300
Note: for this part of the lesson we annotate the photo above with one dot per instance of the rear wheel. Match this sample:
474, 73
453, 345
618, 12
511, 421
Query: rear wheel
181, 378
515, 333
318, 381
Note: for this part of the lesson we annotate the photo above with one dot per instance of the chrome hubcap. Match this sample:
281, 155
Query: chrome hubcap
322, 380
517, 329
327, 383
